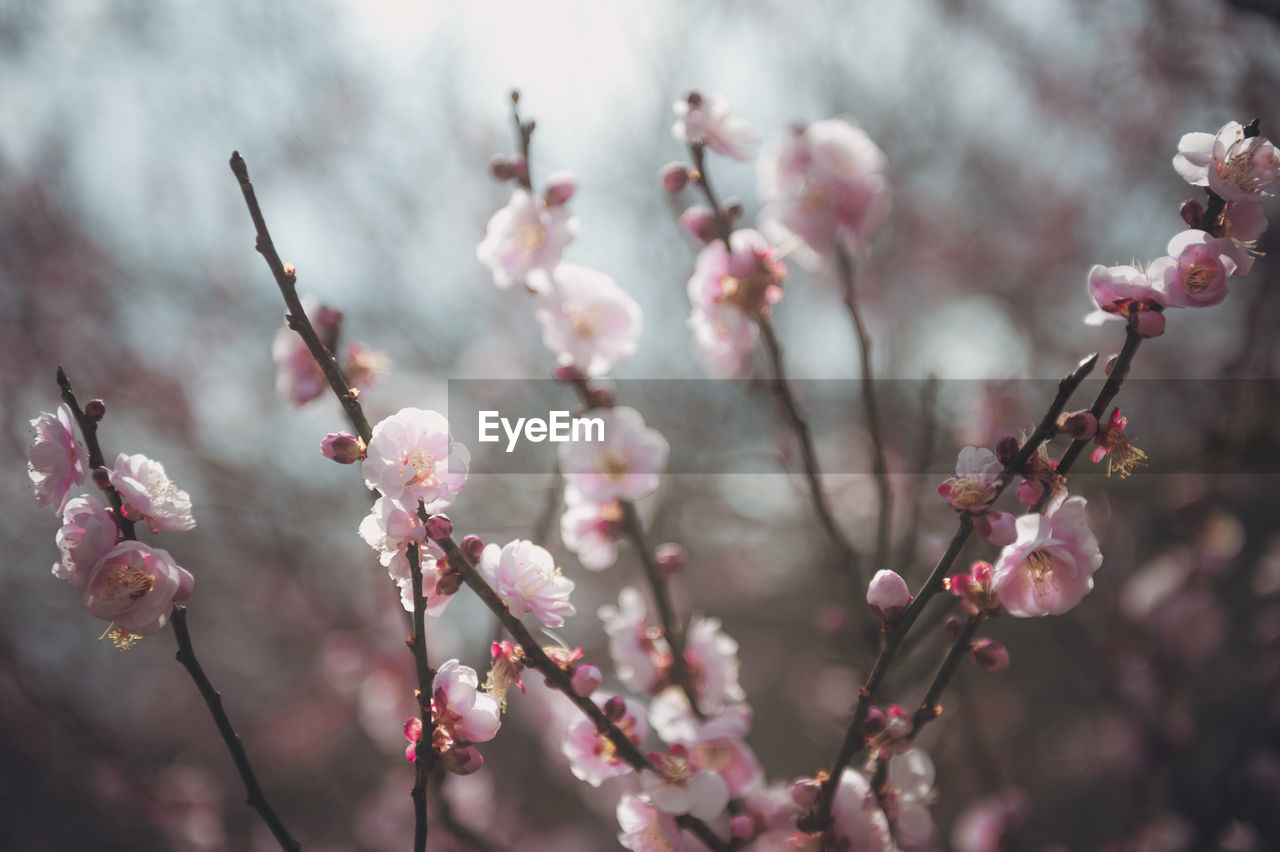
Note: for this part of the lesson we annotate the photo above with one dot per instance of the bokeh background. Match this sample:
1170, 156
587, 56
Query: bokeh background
1026, 141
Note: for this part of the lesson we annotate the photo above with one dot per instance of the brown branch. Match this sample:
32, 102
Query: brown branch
423, 758
929, 708
89, 429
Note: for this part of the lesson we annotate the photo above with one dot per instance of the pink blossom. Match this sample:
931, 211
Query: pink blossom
856, 818
1195, 272
713, 658
1243, 222
435, 588
1236, 167
56, 460
997, 528
299, 378
461, 714
723, 339
593, 758
342, 447
674, 721
587, 319
390, 527
974, 589
524, 236
748, 277
640, 653
591, 530
411, 457
526, 577
624, 466
364, 366
680, 786
644, 828
135, 586
87, 533
149, 495
1122, 292
1049, 569
888, 595
974, 486
823, 184
709, 118
731, 759
1114, 445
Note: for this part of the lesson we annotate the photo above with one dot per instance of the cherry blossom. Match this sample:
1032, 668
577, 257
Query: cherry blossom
591, 530
1195, 272
1050, 567
624, 466
462, 716
856, 818
525, 236
723, 339
56, 460
1114, 445
908, 791
86, 534
680, 786
1243, 222
973, 587
411, 458
644, 828
342, 447
1122, 292
974, 486
824, 184
593, 757
747, 274
713, 657
888, 595
1236, 167
674, 721
587, 319
391, 526
299, 378
437, 588
149, 495
134, 586
526, 577
640, 653
364, 366
709, 118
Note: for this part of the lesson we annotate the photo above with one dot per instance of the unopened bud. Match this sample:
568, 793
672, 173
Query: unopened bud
1148, 323
95, 410
568, 373
805, 792
888, 595
560, 188
342, 447
586, 680
438, 527
874, 723
669, 560
1030, 491
472, 547
694, 98
742, 827
733, 209
996, 528
448, 584
700, 221
1080, 425
462, 760
1192, 212
674, 177
102, 478
1007, 449
615, 709
501, 168
990, 655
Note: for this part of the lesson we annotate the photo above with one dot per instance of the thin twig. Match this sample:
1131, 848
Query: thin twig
929, 708
884, 522
423, 757
89, 430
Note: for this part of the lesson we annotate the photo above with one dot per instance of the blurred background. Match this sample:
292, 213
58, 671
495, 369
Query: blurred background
1026, 141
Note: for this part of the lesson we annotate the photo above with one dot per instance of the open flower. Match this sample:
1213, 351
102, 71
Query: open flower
644, 828
587, 319
591, 530
1113, 444
712, 655
149, 494
56, 460
593, 757
856, 819
1236, 167
723, 339
747, 275
709, 118
462, 716
1050, 567
299, 378
524, 236
1195, 272
974, 486
134, 586
624, 466
680, 786
87, 533
411, 457
525, 576
1123, 292
640, 654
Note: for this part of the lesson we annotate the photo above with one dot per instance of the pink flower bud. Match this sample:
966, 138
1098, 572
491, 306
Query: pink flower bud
997, 528
1030, 491
888, 595
560, 188
674, 177
342, 447
805, 792
568, 373
990, 655
472, 547
897, 721
102, 478
1081, 425
742, 827
462, 760
874, 723
669, 559
438, 527
1191, 212
694, 98
1148, 323
615, 709
700, 222
586, 680
95, 410
448, 584
1006, 449
733, 209
501, 168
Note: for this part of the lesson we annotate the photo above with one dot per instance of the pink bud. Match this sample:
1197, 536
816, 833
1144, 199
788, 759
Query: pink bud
449, 583
500, 168
874, 723
897, 721
95, 410
1081, 425
102, 478
1006, 449
438, 527
472, 547
1030, 491
997, 528
700, 222
669, 559
888, 595
462, 760
615, 709
1148, 323
990, 655
586, 680
568, 373
560, 187
742, 827
342, 447
733, 209
674, 177
1191, 212
805, 792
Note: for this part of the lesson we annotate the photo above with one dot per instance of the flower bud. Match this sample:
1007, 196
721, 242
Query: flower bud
674, 177
438, 527
997, 528
560, 188
568, 373
95, 410
805, 792
874, 723
462, 760
1080, 425
888, 595
615, 709
1191, 212
472, 547
669, 560
586, 680
1006, 449
1030, 491
1148, 323
742, 827
342, 447
700, 221
693, 98
898, 721
733, 209
990, 655
501, 168
102, 478
449, 583
602, 398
